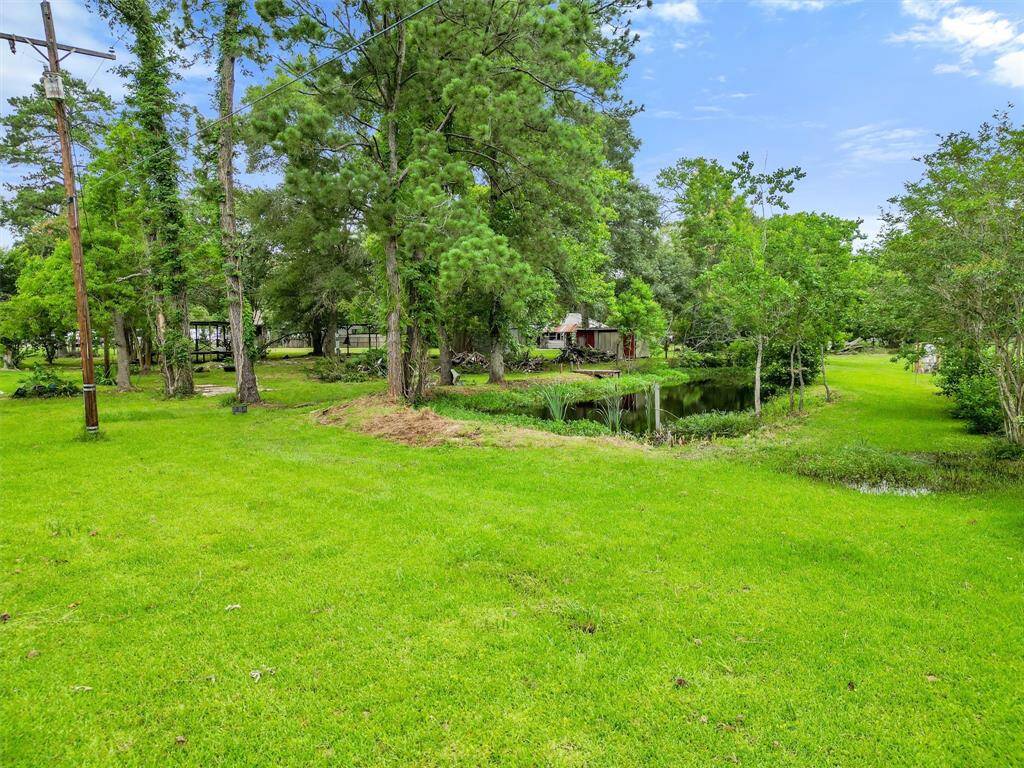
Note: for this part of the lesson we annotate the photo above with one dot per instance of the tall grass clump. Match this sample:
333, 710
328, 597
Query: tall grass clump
610, 411
556, 400
712, 424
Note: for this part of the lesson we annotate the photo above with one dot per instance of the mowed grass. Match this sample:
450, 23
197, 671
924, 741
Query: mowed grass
573, 606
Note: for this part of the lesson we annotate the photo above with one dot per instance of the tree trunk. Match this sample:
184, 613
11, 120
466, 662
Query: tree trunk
1011, 390
316, 339
757, 376
496, 372
792, 376
331, 334
415, 363
106, 356
824, 378
396, 363
11, 358
800, 374
246, 387
445, 351
124, 355
146, 356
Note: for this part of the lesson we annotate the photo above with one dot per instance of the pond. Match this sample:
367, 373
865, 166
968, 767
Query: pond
676, 401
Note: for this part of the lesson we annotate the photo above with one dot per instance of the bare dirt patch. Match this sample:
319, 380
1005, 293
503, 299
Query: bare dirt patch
373, 415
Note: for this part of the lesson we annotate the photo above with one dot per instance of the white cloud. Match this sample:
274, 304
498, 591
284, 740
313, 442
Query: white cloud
880, 143
793, 5
977, 29
678, 11
1009, 69
925, 9
954, 69
708, 108
970, 33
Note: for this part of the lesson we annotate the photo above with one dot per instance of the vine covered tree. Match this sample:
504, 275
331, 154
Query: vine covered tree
151, 101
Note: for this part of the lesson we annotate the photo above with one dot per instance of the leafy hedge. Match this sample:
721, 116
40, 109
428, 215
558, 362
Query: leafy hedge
43, 382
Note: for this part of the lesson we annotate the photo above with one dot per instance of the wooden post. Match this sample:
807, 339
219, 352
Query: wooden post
54, 88
92, 417
656, 393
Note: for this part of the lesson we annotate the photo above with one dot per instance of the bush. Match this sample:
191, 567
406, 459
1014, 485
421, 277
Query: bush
372, 364
976, 401
963, 377
691, 358
42, 382
705, 426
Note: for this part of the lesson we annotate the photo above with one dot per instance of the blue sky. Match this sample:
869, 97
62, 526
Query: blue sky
851, 91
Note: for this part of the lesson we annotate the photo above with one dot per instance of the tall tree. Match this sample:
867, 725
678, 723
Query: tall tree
958, 235
502, 91
28, 139
234, 38
151, 101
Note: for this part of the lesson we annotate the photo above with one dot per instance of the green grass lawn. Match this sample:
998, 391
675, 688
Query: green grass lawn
583, 605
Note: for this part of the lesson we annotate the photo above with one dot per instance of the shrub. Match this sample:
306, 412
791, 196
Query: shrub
976, 401
42, 382
690, 358
364, 366
705, 426
963, 377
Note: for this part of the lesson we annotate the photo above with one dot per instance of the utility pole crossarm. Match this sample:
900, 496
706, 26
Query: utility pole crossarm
60, 46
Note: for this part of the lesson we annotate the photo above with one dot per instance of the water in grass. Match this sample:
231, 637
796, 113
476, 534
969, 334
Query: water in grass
637, 415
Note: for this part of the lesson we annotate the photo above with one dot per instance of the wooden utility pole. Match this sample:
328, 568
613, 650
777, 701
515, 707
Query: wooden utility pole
54, 88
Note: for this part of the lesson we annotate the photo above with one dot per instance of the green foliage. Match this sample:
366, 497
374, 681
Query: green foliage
636, 312
976, 401
28, 130
957, 239
364, 366
610, 411
712, 424
151, 103
44, 382
556, 399
964, 376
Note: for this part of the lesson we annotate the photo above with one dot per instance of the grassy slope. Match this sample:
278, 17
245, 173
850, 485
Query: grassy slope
431, 606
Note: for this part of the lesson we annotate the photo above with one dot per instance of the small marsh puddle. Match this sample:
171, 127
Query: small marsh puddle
878, 489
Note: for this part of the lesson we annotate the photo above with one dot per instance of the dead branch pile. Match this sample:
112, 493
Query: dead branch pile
574, 355
469, 362
524, 363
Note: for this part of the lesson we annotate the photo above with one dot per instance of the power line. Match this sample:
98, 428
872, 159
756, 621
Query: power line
247, 105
